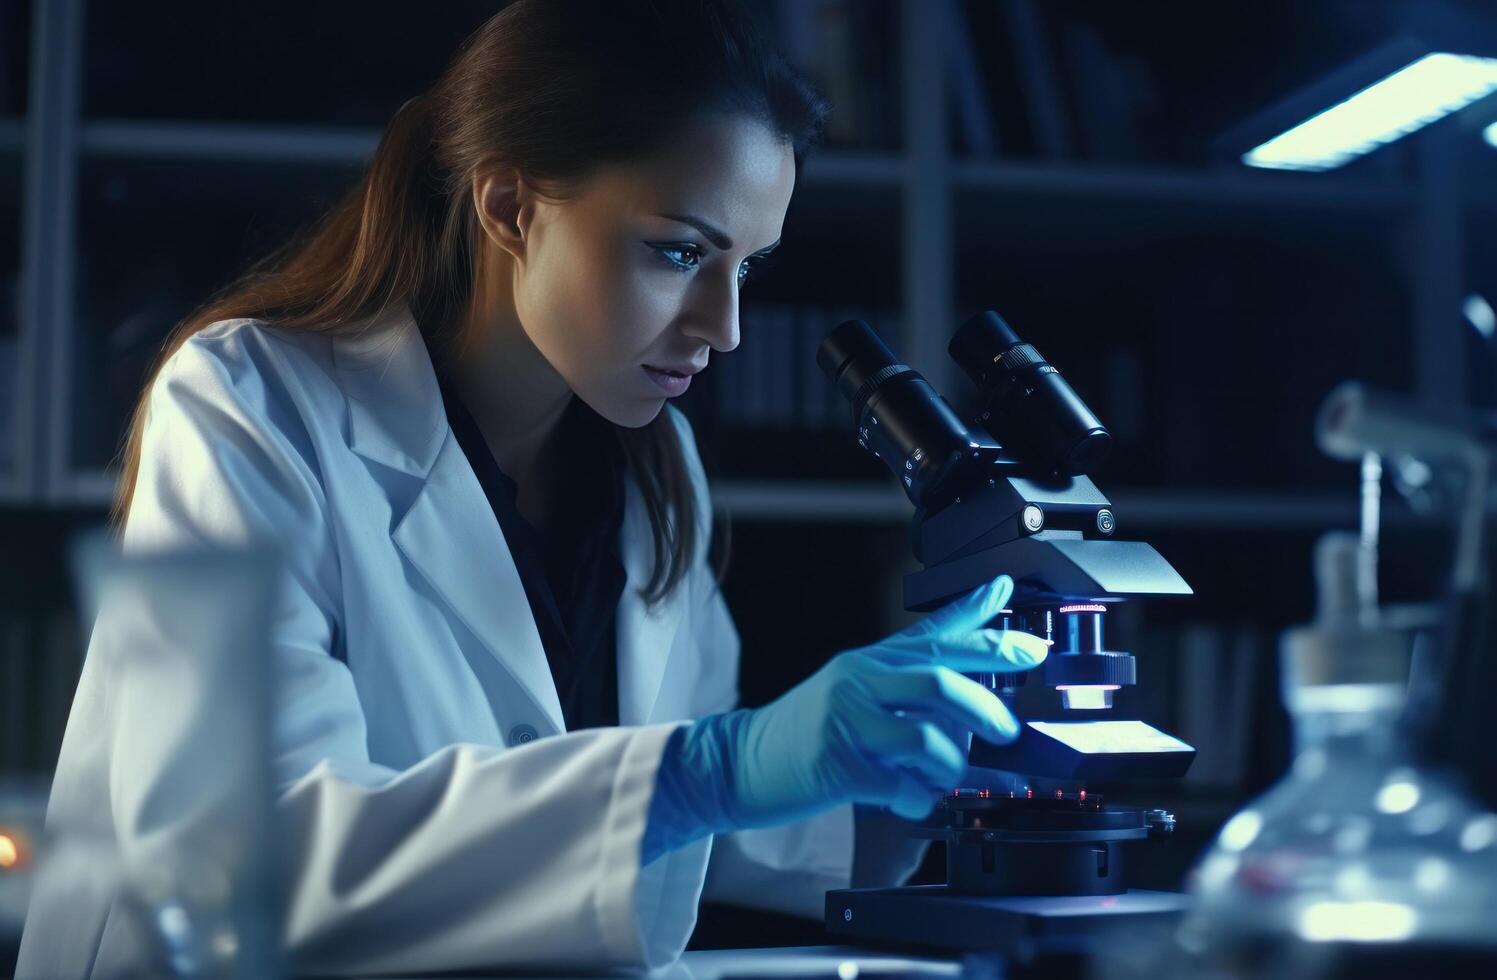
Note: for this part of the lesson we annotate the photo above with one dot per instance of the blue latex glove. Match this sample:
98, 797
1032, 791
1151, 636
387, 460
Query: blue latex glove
889, 723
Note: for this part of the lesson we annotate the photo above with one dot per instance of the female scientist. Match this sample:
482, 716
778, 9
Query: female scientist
506, 731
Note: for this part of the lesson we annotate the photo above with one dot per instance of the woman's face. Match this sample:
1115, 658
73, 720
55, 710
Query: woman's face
642, 269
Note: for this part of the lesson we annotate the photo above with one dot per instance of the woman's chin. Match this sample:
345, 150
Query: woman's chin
637, 414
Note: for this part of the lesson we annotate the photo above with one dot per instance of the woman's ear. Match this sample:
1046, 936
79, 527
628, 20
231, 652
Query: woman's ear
502, 202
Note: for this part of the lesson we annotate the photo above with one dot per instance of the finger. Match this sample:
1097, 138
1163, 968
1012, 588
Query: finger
918, 745
986, 650
911, 799
965, 613
947, 695
961, 737
901, 790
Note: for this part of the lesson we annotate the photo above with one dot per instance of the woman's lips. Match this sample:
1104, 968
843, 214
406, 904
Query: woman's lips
670, 383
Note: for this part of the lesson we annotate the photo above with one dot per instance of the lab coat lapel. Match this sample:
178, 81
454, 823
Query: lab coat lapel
449, 534
646, 635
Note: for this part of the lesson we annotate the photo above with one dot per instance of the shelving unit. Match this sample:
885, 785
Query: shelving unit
939, 194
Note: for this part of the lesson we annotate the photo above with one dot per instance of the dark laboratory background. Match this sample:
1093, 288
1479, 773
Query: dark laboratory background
1067, 164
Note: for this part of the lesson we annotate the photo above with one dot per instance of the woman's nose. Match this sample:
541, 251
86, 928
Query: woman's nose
717, 322
726, 335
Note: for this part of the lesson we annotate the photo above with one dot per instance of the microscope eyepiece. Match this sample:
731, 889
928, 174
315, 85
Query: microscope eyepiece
857, 361
1028, 407
898, 416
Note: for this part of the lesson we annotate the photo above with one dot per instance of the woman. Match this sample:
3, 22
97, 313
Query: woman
506, 732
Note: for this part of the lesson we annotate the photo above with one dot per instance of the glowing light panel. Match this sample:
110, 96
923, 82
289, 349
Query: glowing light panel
1416, 95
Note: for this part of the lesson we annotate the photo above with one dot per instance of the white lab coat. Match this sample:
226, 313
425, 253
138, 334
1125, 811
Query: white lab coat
416, 704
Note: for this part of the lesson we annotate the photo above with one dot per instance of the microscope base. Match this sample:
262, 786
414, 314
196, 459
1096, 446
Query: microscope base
933, 915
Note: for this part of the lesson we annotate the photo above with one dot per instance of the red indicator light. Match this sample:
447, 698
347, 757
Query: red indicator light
1029, 792
1081, 796
984, 793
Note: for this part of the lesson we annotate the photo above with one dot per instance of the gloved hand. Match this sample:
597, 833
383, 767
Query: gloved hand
887, 723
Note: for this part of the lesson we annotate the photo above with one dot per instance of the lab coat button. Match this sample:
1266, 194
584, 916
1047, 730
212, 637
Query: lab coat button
521, 734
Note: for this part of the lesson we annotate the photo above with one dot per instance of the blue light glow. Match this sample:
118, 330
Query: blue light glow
1479, 314
1412, 97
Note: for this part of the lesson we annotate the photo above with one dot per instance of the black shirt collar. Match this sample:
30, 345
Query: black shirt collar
591, 485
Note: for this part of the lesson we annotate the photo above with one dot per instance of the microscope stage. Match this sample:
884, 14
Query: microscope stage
933, 915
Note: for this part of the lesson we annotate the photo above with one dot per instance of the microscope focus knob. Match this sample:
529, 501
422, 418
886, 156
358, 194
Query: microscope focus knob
1159, 822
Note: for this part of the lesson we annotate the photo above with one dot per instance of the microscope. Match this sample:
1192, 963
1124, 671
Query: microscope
1030, 853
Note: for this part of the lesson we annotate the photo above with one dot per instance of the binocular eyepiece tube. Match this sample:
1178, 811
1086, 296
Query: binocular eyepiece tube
1028, 408
898, 416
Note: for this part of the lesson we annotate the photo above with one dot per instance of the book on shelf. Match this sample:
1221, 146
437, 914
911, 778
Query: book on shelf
40, 660
8, 395
1064, 92
16, 689
772, 379
779, 376
14, 40
1110, 94
1038, 79
1218, 667
976, 125
846, 48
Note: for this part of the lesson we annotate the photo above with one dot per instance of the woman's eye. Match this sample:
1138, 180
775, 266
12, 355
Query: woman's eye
685, 258
691, 257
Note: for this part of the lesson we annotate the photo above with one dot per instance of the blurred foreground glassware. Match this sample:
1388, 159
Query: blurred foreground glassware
182, 638
1361, 860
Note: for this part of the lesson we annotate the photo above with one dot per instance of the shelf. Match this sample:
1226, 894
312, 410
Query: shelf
237, 142
847, 169
180, 140
807, 501
308, 144
1185, 187
851, 502
844, 502
86, 488
787, 500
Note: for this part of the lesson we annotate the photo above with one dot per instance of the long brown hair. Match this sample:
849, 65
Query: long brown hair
554, 89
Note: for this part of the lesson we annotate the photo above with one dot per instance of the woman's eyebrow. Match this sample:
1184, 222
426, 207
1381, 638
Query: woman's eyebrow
714, 235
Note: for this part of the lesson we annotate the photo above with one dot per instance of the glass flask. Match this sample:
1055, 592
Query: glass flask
1362, 860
